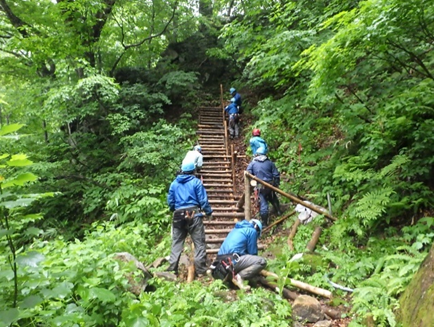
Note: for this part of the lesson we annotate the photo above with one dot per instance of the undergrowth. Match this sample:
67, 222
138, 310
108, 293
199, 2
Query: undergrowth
378, 270
79, 284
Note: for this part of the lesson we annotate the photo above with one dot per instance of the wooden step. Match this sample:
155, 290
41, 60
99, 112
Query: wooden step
209, 132
218, 208
228, 215
218, 180
218, 231
222, 202
218, 186
214, 240
213, 147
218, 163
216, 174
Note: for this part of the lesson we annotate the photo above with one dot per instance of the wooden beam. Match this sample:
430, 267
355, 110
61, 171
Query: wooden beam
301, 285
266, 229
247, 212
292, 234
287, 294
314, 240
289, 196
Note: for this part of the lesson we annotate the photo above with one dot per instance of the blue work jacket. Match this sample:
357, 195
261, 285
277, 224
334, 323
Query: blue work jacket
231, 109
238, 100
188, 191
242, 240
256, 142
264, 169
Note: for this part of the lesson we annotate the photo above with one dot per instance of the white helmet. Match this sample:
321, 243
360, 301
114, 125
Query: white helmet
257, 223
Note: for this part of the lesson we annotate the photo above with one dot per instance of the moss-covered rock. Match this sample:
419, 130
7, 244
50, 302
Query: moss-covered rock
417, 302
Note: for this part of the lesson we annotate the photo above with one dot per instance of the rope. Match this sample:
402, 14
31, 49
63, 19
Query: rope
343, 288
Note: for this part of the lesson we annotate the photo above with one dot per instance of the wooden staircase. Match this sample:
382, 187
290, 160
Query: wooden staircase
218, 174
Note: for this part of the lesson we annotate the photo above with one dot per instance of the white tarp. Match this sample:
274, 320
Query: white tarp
306, 215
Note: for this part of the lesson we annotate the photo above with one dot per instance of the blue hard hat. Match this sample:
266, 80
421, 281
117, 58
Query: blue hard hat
261, 150
233, 100
187, 167
232, 90
198, 148
257, 223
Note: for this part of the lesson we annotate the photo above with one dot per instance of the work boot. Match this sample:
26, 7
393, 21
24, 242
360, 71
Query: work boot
240, 283
264, 218
276, 205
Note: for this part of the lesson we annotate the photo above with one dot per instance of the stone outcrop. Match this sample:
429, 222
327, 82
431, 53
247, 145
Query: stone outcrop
308, 309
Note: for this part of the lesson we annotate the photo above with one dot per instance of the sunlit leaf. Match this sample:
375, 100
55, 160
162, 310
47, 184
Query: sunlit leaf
19, 160
20, 180
10, 129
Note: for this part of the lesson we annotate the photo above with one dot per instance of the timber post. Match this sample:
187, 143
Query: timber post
314, 240
247, 212
240, 203
233, 167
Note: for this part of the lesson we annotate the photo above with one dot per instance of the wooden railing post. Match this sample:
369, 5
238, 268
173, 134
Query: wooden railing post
233, 168
221, 101
226, 136
247, 204
224, 120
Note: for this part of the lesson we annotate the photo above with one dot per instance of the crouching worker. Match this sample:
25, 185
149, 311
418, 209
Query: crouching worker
238, 258
187, 198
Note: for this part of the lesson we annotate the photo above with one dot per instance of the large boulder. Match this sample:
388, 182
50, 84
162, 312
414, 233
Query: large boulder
417, 301
307, 308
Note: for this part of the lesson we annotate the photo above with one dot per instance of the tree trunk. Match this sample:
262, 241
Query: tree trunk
292, 234
314, 240
417, 302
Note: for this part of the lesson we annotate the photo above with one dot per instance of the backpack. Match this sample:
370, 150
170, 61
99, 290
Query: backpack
223, 267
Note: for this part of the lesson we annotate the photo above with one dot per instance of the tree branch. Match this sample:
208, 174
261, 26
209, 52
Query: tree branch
128, 46
19, 24
414, 57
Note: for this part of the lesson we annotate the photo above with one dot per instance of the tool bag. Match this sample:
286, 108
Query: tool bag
183, 217
223, 267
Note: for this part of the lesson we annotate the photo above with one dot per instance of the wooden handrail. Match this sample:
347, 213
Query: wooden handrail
289, 196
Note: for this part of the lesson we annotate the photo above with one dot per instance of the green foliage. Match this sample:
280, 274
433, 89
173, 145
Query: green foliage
149, 150
378, 271
351, 104
79, 283
179, 86
14, 222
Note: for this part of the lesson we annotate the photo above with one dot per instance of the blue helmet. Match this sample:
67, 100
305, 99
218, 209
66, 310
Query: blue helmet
198, 148
256, 222
232, 90
233, 100
260, 150
187, 167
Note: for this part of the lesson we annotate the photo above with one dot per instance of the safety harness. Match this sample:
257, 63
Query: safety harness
223, 266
